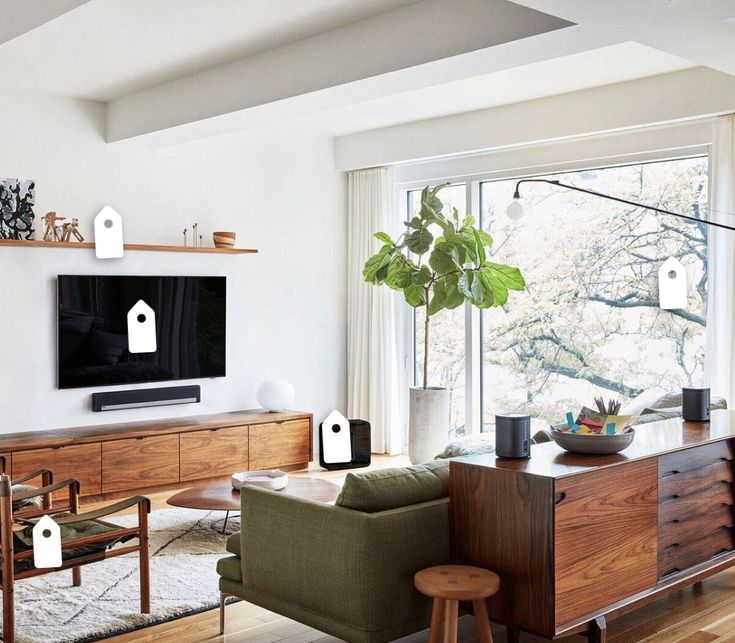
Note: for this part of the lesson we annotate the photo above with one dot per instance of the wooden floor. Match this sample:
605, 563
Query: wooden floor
692, 615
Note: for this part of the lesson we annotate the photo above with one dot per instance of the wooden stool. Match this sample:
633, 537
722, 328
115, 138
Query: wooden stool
449, 584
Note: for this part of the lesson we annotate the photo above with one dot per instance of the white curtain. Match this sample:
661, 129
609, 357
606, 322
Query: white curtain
719, 372
375, 378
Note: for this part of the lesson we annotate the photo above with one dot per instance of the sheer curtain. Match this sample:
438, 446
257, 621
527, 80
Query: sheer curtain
376, 384
719, 372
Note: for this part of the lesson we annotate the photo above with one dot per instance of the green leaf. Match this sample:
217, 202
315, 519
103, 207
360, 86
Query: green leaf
372, 272
414, 223
480, 248
444, 258
421, 277
384, 237
399, 274
485, 237
450, 297
415, 296
464, 284
438, 300
499, 278
419, 241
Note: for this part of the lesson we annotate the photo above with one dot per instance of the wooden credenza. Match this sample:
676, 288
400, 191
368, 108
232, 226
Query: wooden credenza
578, 540
114, 459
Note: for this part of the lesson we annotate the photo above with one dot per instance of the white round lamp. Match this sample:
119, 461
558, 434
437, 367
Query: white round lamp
515, 209
275, 395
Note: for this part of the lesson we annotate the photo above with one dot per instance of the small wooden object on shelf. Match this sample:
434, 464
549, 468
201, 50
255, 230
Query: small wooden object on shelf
60, 229
449, 584
224, 239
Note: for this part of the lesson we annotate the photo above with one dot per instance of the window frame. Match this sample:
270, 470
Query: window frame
474, 389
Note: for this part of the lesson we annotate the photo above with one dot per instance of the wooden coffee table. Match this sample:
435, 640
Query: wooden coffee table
220, 496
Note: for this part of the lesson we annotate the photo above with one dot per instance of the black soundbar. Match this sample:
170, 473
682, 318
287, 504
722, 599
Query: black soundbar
116, 400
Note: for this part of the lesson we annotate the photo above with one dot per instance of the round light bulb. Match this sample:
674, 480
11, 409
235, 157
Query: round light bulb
514, 210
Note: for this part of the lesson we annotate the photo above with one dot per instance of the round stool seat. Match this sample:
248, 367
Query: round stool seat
457, 582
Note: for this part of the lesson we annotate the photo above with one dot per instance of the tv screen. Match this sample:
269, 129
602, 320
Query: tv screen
93, 346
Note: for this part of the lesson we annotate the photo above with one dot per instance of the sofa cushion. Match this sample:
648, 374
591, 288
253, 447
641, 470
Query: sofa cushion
392, 488
233, 544
469, 445
230, 567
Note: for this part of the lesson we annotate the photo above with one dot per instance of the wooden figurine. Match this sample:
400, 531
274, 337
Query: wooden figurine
185, 241
50, 232
71, 227
195, 235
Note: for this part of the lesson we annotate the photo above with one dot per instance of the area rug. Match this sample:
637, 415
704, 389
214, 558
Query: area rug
185, 545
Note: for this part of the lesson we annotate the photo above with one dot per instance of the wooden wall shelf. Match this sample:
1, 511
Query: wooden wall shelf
128, 246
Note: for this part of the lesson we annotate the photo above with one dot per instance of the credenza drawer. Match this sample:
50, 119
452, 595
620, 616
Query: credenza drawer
280, 444
696, 500
140, 462
677, 558
695, 458
82, 462
676, 485
694, 504
214, 452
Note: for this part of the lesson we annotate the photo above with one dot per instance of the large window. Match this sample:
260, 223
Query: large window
446, 331
589, 323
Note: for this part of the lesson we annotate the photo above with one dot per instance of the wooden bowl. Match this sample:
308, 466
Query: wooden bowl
593, 444
224, 239
273, 479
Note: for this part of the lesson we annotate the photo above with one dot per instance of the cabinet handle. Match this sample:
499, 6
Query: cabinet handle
57, 448
560, 497
213, 430
142, 437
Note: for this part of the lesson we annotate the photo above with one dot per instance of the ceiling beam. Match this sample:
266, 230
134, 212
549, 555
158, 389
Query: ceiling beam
22, 16
432, 38
698, 30
658, 100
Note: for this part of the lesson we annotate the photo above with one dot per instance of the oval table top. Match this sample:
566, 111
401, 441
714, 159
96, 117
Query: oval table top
220, 496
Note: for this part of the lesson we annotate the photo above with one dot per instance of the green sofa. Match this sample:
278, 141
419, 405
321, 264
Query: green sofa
345, 569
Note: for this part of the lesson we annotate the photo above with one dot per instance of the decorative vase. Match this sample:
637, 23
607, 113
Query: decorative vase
275, 395
224, 239
428, 422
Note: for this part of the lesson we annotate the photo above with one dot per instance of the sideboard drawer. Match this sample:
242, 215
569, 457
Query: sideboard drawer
140, 462
696, 500
677, 558
82, 462
214, 452
280, 444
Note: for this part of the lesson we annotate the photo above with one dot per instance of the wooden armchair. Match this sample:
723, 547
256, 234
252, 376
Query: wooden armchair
78, 548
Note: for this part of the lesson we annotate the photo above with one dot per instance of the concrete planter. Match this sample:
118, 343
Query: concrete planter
428, 423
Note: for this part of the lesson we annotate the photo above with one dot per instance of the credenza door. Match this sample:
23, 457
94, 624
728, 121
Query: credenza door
606, 524
213, 452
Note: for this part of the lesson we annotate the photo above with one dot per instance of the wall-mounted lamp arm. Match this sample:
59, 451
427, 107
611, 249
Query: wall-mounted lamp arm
517, 195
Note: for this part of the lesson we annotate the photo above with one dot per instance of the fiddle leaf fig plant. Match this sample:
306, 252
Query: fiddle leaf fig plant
439, 263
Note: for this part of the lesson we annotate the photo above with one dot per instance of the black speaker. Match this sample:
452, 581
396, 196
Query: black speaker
361, 445
116, 400
513, 436
695, 404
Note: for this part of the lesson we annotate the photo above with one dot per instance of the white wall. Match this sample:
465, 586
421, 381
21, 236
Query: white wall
277, 188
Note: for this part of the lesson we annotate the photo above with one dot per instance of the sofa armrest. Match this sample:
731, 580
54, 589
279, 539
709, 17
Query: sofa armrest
350, 566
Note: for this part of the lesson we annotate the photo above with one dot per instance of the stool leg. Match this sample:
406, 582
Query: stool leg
437, 620
450, 621
483, 622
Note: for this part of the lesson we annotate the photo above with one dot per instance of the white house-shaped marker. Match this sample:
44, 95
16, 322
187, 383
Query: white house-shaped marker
46, 543
108, 234
672, 285
141, 328
336, 441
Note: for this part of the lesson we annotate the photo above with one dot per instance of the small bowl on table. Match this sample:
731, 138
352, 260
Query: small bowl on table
273, 479
593, 444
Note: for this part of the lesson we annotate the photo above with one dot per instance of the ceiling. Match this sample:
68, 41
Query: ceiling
173, 70
604, 66
104, 49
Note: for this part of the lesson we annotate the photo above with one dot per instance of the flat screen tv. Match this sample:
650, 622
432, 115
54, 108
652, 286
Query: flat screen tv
92, 335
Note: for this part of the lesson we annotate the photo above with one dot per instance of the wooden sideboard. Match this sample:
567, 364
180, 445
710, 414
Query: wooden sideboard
578, 540
113, 459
